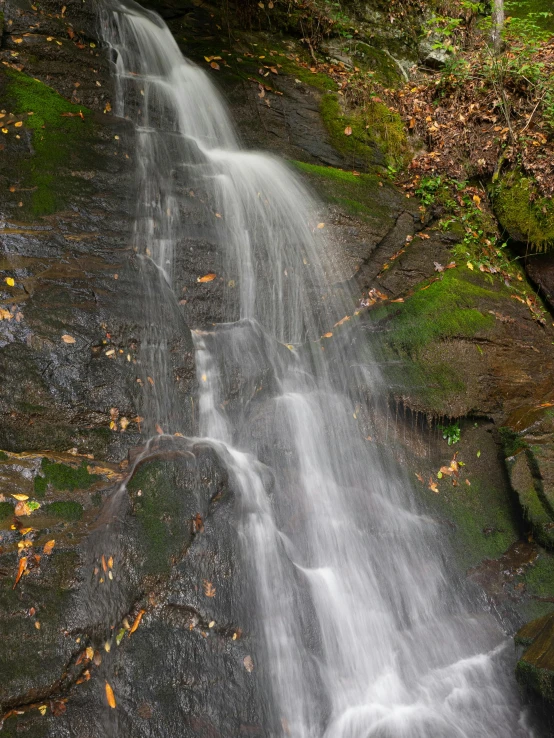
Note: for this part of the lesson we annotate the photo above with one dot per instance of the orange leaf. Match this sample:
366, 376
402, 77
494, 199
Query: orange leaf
327, 335
346, 317
20, 570
104, 564
348, 131
136, 623
214, 65
110, 696
207, 278
48, 547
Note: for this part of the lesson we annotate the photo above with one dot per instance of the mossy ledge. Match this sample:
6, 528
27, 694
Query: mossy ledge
63, 477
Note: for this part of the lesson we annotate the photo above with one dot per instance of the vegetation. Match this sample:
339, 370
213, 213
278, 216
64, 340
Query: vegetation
63, 477
57, 125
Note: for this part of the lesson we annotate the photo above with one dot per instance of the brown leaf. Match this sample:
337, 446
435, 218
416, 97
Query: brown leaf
348, 131
209, 589
198, 523
433, 486
67, 338
214, 65
110, 696
22, 509
207, 278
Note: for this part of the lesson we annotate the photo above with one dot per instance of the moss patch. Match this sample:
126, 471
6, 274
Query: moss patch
378, 134
160, 515
6, 510
54, 135
357, 195
527, 217
66, 510
63, 477
445, 310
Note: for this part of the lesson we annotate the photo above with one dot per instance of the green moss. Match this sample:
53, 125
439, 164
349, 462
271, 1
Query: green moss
358, 195
6, 510
378, 134
53, 137
63, 477
4, 456
523, 213
537, 680
540, 577
482, 514
65, 509
445, 310
160, 514
511, 441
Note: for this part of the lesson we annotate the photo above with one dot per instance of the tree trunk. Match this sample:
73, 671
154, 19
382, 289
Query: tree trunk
497, 25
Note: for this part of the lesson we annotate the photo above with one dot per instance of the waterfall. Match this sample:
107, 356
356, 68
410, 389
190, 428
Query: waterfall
362, 631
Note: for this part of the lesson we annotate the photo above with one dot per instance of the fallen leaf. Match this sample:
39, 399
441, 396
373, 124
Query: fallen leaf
22, 509
348, 131
214, 65
470, 265
136, 622
327, 335
209, 589
49, 547
248, 663
42, 709
419, 477
89, 653
206, 278
159, 430
321, 225
346, 317
21, 568
433, 486
20, 497
66, 338
10, 281
198, 523
110, 696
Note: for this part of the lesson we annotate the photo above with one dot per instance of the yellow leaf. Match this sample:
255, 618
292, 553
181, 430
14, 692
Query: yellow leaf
206, 278
327, 335
110, 696
470, 265
19, 124
42, 709
89, 653
20, 497
49, 547
10, 281
66, 338
321, 225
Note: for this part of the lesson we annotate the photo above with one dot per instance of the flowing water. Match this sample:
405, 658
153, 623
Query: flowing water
362, 629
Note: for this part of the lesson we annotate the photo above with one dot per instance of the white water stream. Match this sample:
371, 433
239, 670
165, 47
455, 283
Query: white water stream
362, 633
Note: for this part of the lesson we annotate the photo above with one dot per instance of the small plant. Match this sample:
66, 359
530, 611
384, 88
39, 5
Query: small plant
427, 189
451, 433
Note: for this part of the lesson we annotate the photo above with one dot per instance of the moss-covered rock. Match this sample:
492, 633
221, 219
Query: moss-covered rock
523, 213
63, 477
535, 669
377, 138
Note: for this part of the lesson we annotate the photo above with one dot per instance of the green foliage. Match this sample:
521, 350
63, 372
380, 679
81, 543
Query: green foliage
4, 456
53, 136
428, 188
451, 433
65, 509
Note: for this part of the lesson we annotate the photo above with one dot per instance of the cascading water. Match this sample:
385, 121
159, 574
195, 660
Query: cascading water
362, 633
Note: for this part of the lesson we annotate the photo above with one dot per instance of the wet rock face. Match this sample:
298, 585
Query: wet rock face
149, 597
